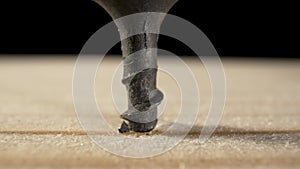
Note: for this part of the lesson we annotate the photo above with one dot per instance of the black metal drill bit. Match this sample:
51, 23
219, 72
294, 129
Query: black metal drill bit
143, 96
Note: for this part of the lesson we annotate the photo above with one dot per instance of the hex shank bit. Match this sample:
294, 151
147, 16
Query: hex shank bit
140, 61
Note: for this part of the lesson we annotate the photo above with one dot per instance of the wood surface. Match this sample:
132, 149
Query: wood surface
260, 127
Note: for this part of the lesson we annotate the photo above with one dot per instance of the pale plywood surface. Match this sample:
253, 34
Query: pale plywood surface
259, 129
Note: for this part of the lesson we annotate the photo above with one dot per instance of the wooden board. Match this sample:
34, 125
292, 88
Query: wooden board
260, 127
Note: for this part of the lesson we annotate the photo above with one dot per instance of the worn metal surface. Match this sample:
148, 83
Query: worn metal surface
140, 83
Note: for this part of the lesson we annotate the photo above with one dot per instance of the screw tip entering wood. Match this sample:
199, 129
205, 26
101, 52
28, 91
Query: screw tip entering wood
143, 96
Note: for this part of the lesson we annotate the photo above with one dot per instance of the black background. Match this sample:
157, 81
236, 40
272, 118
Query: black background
236, 28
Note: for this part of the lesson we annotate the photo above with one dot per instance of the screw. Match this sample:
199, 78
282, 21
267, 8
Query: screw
143, 96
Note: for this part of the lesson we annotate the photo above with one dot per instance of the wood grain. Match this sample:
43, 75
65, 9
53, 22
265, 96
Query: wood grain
260, 127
